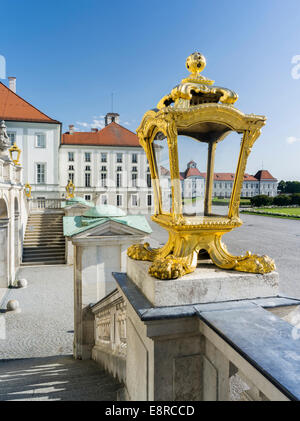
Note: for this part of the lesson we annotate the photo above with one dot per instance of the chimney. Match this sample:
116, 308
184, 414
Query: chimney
111, 117
94, 129
12, 83
71, 128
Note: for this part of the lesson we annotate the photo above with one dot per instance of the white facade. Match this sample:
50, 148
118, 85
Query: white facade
110, 175
39, 143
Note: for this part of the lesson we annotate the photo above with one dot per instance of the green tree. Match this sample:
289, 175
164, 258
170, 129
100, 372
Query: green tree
281, 186
292, 187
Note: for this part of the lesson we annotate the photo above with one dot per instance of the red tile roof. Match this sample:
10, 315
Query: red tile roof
111, 135
192, 172
264, 175
15, 108
221, 176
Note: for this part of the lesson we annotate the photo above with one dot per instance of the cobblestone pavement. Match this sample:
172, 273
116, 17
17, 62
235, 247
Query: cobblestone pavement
55, 378
44, 327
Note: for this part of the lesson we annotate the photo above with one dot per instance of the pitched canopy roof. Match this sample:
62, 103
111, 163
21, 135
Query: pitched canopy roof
111, 135
15, 108
264, 175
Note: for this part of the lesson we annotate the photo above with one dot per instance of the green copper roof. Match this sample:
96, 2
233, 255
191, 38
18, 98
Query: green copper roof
75, 224
102, 211
77, 200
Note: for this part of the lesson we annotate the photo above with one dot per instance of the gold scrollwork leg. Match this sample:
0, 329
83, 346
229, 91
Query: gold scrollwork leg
249, 263
145, 252
182, 261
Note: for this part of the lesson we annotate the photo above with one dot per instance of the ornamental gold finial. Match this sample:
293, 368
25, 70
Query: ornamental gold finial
195, 63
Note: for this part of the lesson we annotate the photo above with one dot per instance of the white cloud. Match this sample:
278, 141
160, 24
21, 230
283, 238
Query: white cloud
82, 123
292, 139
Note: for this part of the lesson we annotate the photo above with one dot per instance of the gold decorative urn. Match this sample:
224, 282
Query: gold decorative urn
70, 189
28, 190
196, 108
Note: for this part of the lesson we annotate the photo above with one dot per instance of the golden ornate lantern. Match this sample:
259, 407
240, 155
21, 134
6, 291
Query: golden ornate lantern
70, 188
14, 153
28, 190
197, 109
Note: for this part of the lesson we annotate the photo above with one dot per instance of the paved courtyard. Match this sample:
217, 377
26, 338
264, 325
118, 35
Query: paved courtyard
44, 327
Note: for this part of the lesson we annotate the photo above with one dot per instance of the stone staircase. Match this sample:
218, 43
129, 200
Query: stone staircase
56, 378
44, 242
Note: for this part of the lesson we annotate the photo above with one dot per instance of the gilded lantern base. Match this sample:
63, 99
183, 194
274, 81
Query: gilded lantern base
187, 237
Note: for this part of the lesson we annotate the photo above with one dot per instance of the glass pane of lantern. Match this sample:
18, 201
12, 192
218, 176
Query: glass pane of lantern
192, 166
226, 160
162, 163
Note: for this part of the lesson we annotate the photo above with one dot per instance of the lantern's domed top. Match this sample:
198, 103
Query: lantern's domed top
197, 89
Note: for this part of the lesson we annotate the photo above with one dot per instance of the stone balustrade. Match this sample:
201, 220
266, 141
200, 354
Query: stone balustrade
36, 204
110, 336
232, 350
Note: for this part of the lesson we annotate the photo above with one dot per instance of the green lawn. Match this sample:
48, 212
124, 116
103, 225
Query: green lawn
225, 201
276, 212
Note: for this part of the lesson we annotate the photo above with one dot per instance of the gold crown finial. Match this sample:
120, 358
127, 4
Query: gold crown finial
195, 63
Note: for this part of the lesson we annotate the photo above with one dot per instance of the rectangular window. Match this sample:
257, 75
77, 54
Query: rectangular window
149, 180
119, 168
103, 168
71, 176
134, 169
119, 200
134, 200
40, 173
71, 156
71, 167
134, 158
87, 157
87, 179
12, 137
103, 179
87, 197
119, 157
40, 140
103, 199
149, 200
134, 179
103, 157
119, 179
87, 168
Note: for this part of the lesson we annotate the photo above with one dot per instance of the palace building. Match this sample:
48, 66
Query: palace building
107, 166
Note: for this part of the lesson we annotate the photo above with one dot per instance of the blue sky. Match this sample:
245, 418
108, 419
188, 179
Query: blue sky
69, 56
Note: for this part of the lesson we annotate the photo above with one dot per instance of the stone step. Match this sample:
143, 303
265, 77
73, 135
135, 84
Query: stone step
43, 246
41, 258
47, 262
55, 252
44, 234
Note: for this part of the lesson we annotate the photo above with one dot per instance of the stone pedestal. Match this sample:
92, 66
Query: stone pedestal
206, 284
